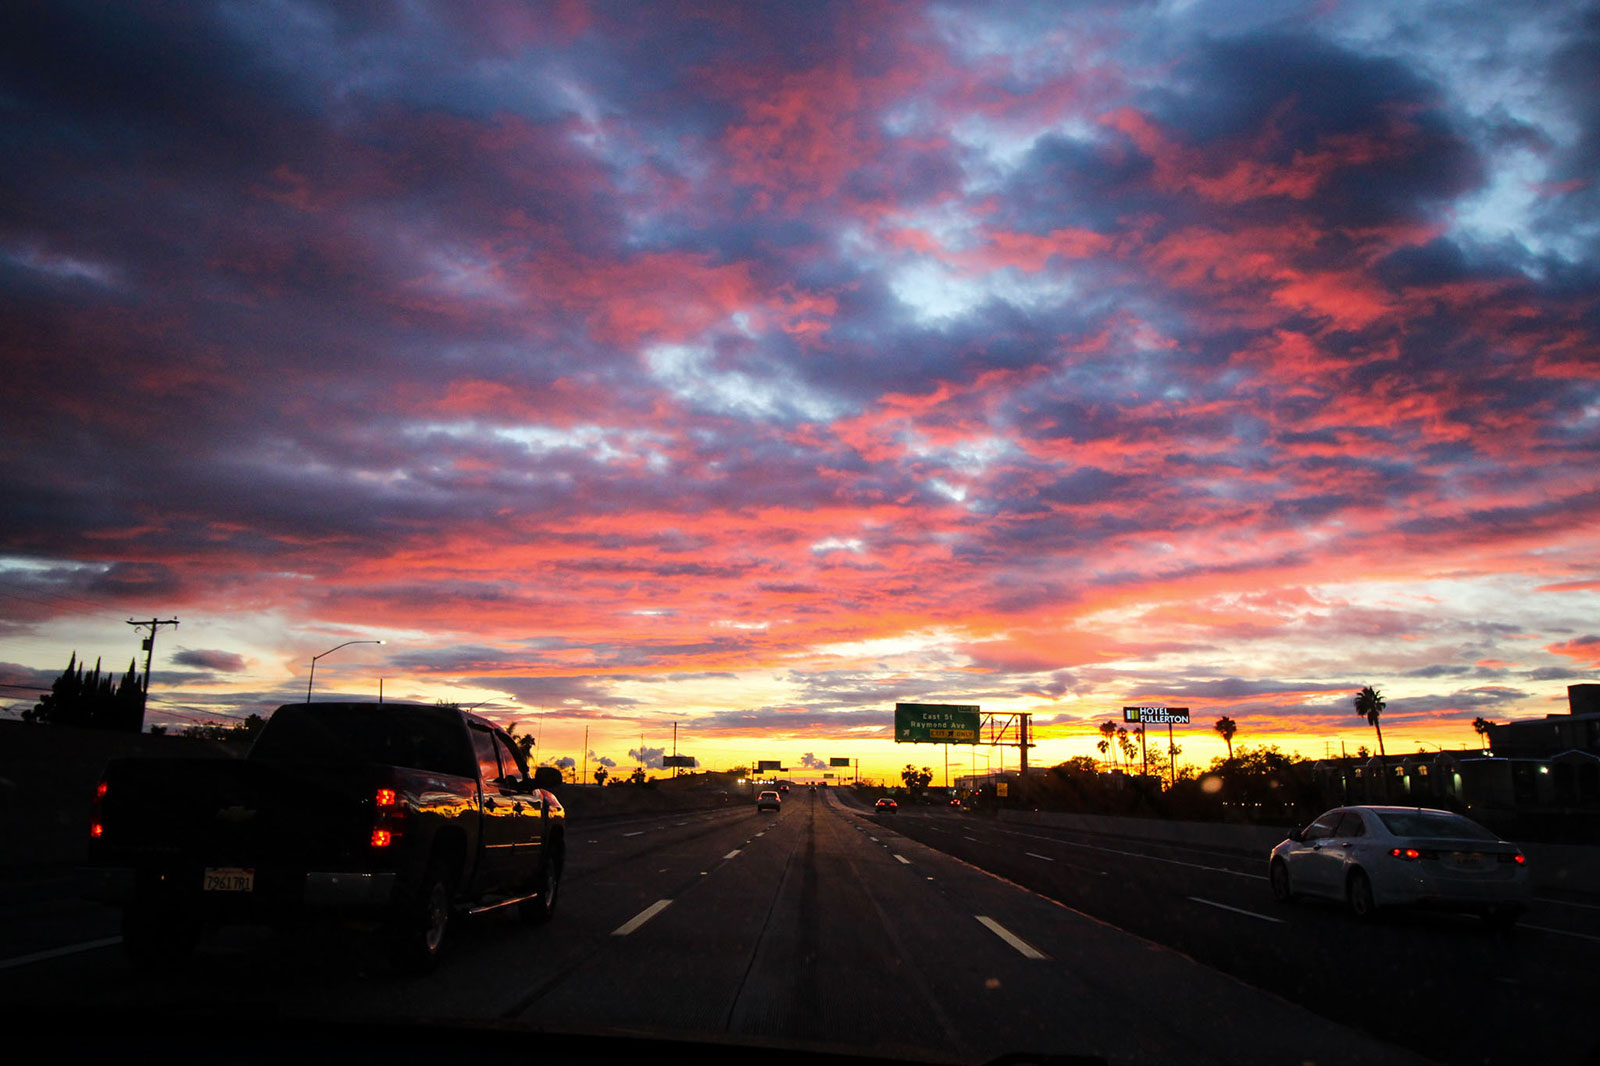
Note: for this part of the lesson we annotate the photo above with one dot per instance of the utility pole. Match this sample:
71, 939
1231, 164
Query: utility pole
149, 651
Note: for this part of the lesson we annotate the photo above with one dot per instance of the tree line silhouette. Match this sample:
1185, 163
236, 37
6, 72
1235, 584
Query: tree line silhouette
91, 699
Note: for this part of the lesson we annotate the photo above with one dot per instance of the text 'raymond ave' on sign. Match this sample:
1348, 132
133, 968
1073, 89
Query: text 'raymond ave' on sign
936, 723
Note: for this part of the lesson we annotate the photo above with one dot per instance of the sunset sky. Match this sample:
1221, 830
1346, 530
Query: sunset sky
752, 367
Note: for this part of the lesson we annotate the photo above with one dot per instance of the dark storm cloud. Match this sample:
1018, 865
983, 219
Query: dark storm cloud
225, 662
779, 722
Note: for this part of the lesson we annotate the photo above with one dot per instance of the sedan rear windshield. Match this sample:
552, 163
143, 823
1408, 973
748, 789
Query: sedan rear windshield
1437, 824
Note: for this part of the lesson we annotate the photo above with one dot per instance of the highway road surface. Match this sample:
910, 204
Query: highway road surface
827, 927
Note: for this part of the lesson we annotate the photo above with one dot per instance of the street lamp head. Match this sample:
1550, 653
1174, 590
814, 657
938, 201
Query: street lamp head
313, 673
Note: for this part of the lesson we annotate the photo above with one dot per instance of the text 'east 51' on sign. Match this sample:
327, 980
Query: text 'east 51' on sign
1156, 715
935, 723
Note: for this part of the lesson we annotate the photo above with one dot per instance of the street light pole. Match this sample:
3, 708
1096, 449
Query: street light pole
313, 674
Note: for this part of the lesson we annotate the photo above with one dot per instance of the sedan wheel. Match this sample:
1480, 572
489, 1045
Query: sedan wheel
1282, 891
1359, 893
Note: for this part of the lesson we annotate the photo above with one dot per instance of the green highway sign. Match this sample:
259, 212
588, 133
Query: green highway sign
936, 723
838, 762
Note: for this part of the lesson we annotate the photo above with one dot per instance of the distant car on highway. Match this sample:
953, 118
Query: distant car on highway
886, 805
1375, 857
768, 801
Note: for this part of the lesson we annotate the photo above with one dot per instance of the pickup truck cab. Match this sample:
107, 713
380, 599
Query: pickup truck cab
394, 816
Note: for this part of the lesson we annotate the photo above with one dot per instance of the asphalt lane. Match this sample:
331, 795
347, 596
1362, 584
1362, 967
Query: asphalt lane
1442, 985
825, 930
815, 928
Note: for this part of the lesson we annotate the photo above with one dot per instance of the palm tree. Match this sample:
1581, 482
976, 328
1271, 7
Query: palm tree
1481, 726
1125, 742
1226, 728
1370, 702
1108, 730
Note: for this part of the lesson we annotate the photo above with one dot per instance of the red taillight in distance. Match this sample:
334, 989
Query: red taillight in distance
97, 825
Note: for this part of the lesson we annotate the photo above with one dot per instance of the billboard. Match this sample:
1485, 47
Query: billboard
1156, 715
936, 723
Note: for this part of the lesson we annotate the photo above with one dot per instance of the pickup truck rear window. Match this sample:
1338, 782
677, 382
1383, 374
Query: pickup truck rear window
422, 738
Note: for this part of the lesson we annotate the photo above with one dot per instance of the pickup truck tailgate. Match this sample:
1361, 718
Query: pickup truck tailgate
227, 812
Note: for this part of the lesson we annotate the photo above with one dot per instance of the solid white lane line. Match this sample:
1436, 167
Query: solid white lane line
56, 953
1236, 910
1026, 949
643, 916
1560, 932
1566, 903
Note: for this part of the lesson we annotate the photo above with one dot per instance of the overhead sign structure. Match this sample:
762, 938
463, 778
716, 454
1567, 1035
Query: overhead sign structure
677, 760
764, 765
936, 723
838, 762
1156, 715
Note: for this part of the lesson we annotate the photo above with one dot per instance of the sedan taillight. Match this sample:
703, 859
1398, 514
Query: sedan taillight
1412, 854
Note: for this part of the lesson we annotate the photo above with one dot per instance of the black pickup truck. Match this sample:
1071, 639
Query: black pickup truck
392, 816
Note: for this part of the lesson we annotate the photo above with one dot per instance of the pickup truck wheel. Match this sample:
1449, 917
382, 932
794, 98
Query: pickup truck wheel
158, 937
543, 908
417, 932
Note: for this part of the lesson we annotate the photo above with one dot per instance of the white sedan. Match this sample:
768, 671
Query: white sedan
1374, 857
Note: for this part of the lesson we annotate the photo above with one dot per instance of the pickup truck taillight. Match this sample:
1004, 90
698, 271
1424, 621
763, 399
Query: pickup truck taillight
388, 817
97, 825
